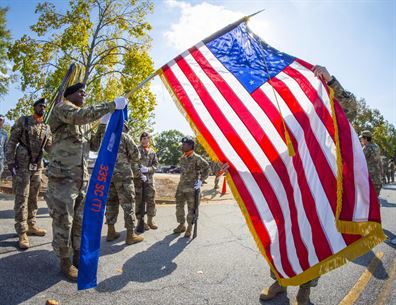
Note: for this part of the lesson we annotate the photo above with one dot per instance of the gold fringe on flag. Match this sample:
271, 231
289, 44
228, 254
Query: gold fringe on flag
343, 226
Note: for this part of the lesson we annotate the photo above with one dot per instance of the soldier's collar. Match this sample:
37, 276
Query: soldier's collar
67, 102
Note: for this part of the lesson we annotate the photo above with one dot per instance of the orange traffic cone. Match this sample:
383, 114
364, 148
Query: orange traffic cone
224, 188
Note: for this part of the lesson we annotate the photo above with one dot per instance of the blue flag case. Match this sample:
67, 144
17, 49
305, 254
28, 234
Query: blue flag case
96, 199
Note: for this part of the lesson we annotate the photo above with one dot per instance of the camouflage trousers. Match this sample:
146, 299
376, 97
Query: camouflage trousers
65, 199
183, 196
26, 185
391, 176
311, 283
1, 167
149, 197
122, 193
216, 182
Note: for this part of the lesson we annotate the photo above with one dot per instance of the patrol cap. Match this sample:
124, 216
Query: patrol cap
365, 134
39, 101
144, 134
74, 88
188, 140
1, 117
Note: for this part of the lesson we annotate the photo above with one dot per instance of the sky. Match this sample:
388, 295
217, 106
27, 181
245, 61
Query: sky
355, 40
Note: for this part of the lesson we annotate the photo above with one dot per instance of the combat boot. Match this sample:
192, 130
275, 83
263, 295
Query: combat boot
133, 238
68, 269
146, 227
180, 228
151, 223
303, 295
112, 234
268, 293
188, 231
76, 258
23, 241
34, 230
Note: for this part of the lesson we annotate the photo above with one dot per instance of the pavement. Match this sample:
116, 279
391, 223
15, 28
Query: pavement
221, 266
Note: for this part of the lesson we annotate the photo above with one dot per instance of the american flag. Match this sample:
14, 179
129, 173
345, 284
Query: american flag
309, 212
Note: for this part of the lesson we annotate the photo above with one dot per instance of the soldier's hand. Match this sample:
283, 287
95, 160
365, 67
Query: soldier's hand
198, 184
120, 102
322, 73
144, 169
144, 178
105, 119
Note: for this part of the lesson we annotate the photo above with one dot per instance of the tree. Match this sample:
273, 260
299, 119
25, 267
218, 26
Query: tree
384, 133
107, 38
168, 145
5, 38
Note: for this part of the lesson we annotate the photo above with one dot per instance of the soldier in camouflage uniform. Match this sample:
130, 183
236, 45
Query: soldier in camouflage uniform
29, 137
216, 171
348, 102
3, 144
68, 170
122, 191
384, 170
148, 164
373, 158
194, 171
391, 171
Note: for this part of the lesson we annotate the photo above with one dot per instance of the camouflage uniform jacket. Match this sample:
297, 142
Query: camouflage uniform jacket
72, 137
192, 168
128, 157
3, 143
373, 158
149, 159
28, 134
346, 99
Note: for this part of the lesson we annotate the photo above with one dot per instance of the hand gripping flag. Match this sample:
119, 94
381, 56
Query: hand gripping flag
96, 199
296, 166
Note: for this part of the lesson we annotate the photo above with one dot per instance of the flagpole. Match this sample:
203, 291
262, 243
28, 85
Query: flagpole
218, 33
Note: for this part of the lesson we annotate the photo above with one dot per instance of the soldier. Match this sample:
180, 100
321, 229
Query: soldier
391, 171
194, 171
148, 165
216, 171
29, 137
68, 171
384, 170
3, 143
122, 191
348, 102
373, 158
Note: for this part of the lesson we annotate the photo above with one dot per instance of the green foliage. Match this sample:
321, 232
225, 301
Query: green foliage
107, 38
5, 38
168, 145
384, 133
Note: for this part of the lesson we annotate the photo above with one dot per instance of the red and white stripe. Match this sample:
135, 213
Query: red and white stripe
291, 201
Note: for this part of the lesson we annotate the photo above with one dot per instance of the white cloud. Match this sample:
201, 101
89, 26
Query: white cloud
199, 21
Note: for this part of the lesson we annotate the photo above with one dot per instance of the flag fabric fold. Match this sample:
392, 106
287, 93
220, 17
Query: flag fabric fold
96, 199
296, 166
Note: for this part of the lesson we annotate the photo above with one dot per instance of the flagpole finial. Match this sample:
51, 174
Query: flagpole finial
254, 14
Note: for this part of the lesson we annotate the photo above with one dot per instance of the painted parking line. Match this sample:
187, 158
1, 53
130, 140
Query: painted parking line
362, 282
383, 296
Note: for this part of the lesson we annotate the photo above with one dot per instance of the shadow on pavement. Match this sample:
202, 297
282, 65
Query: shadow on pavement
380, 272
212, 193
26, 274
9, 214
389, 186
390, 236
154, 263
384, 203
